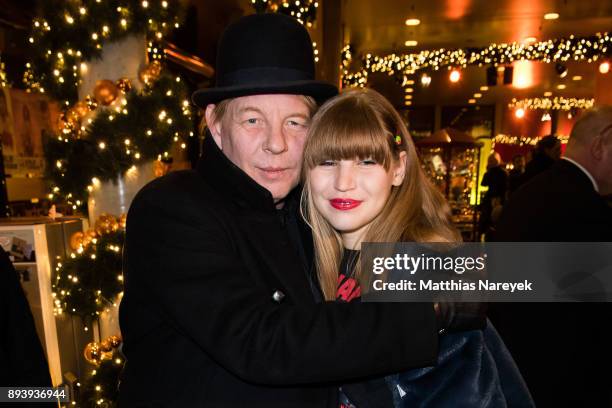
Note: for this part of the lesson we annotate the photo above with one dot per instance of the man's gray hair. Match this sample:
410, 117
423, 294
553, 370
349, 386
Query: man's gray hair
590, 124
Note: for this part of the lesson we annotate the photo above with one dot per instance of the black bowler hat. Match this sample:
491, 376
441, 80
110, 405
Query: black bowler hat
264, 54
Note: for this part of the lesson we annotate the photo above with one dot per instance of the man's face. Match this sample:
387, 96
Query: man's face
264, 135
603, 162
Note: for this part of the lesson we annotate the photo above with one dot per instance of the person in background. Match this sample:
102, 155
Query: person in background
545, 154
569, 367
516, 174
496, 180
22, 358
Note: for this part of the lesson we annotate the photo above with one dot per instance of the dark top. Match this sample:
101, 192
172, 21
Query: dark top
496, 179
538, 163
515, 178
563, 350
22, 359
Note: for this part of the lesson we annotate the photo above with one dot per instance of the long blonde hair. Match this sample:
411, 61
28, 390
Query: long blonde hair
360, 124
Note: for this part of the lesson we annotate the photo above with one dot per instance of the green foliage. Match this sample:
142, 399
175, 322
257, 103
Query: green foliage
98, 281
68, 33
106, 377
145, 126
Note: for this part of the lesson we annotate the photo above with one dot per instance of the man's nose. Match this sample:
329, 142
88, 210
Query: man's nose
345, 177
276, 141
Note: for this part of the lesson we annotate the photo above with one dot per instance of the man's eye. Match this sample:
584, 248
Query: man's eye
295, 123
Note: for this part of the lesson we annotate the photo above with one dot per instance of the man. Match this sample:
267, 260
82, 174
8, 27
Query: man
220, 305
546, 153
565, 367
496, 180
516, 174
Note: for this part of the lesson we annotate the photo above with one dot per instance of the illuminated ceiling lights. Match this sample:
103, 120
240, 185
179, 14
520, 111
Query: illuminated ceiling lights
551, 16
454, 75
519, 113
523, 75
412, 22
604, 67
576, 78
411, 43
561, 86
425, 80
561, 70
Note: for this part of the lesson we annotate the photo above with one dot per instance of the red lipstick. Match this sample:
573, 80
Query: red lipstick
344, 203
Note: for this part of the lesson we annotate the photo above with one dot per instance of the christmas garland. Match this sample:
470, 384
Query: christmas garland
400, 66
69, 33
304, 11
101, 387
90, 280
141, 128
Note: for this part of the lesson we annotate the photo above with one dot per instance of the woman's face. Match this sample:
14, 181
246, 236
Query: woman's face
349, 194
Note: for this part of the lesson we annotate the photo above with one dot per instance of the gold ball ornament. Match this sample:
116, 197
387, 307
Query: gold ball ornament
93, 353
72, 117
89, 236
81, 108
91, 103
105, 92
150, 72
76, 240
106, 346
124, 84
104, 224
115, 341
122, 221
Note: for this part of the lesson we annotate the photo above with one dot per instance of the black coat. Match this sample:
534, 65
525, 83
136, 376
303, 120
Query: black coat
559, 205
564, 351
22, 358
205, 252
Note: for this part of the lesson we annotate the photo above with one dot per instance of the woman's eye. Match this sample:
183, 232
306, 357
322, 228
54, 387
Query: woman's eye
327, 163
368, 162
251, 121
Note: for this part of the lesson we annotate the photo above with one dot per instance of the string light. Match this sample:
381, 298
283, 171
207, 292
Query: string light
557, 103
588, 49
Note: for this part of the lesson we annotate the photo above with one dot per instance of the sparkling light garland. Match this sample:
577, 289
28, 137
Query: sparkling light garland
523, 140
573, 48
304, 11
556, 103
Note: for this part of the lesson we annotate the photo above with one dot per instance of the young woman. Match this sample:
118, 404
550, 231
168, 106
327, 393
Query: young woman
363, 183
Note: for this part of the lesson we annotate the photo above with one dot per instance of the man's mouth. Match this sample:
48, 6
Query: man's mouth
273, 172
344, 203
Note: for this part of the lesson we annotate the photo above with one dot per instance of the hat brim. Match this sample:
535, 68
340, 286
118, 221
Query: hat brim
319, 90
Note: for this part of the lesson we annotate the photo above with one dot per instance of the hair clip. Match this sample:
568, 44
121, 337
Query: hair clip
398, 140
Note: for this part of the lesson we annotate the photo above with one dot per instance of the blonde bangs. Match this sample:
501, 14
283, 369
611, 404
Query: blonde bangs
348, 130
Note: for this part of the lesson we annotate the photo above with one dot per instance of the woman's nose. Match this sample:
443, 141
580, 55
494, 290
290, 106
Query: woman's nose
345, 177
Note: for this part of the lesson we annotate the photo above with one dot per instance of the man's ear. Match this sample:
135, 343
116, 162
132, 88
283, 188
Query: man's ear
597, 148
213, 125
399, 172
